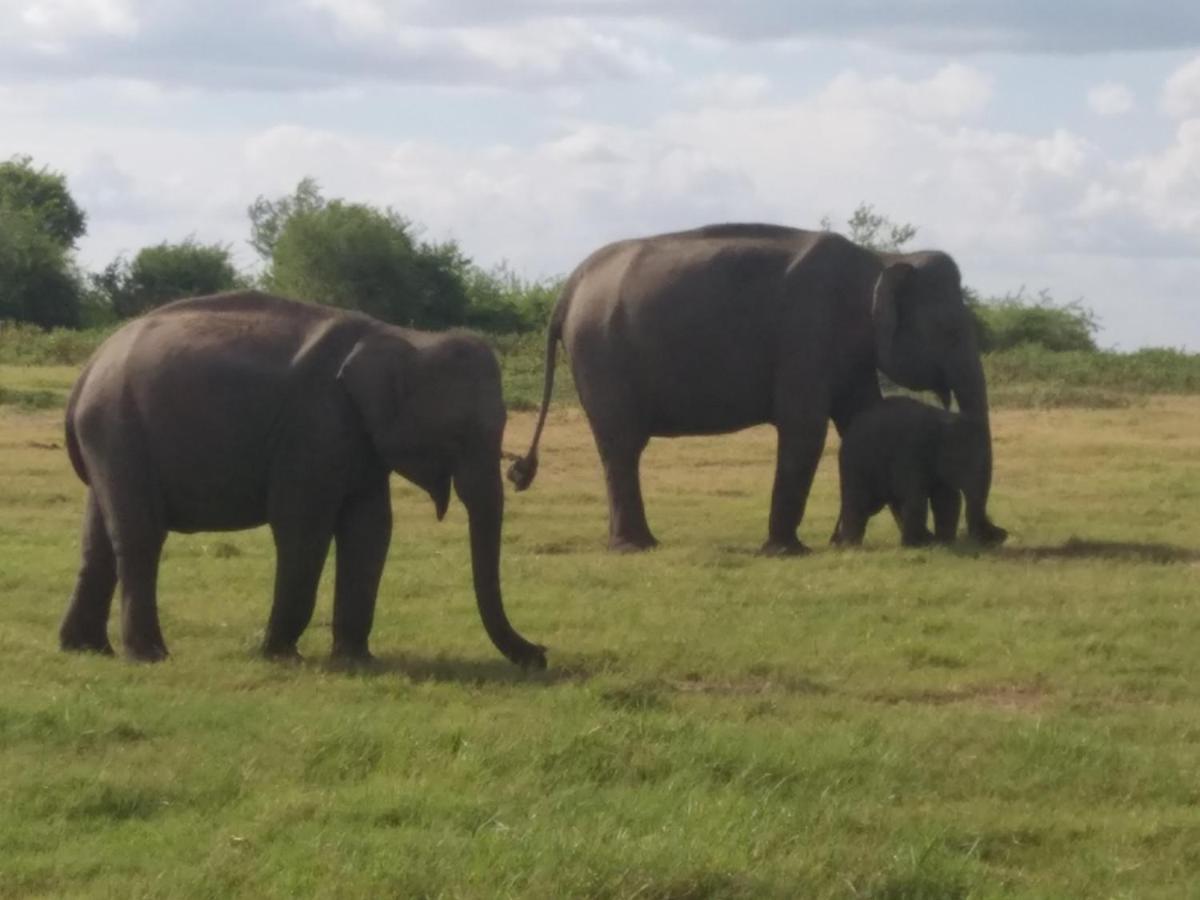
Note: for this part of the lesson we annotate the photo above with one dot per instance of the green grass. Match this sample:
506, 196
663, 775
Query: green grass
885, 723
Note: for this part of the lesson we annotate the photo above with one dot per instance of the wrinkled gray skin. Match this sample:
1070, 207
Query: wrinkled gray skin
713, 330
908, 456
235, 410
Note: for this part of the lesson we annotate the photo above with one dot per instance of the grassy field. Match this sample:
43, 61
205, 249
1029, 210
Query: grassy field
885, 723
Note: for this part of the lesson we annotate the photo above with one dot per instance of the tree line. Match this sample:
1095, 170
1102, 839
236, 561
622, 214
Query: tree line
366, 258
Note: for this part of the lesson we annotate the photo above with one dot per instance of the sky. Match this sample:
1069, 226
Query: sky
1046, 146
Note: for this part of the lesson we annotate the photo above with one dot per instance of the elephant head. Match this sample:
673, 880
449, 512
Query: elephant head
925, 341
433, 410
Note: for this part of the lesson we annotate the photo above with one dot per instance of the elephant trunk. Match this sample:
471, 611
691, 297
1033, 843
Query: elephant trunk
969, 386
483, 494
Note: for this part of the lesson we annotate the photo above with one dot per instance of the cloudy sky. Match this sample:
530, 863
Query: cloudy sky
1049, 145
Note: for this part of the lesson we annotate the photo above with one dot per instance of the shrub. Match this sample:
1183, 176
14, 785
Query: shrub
357, 257
162, 273
502, 302
1015, 320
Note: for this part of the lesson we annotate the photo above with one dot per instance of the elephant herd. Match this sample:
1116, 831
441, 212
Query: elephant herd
242, 409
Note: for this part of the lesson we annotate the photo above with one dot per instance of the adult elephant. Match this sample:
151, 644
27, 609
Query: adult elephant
235, 410
716, 329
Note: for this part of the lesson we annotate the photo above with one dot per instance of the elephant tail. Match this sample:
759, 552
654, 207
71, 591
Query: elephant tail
521, 473
72, 440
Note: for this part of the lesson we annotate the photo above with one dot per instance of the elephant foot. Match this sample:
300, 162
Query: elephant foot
146, 653
78, 644
351, 655
784, 547
632, 545
990, 535
920, 539
281, 652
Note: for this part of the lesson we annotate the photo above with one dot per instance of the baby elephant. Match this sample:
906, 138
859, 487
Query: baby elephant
908, 456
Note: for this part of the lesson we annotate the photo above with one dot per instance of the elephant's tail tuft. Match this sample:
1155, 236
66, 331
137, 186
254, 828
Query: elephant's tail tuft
521, 473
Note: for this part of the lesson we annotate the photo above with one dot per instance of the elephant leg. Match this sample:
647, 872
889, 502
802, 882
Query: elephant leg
851, 527
300, 551
914, 531
363, 533
137, 572
628, 530
129, 507
983, 530
85, 625
947, 506
799, 451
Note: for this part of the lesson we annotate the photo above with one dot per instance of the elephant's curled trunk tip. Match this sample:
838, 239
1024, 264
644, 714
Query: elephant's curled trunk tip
522, 472
533, 658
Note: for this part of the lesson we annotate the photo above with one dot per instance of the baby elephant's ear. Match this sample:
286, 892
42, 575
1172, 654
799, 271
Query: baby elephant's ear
373, 375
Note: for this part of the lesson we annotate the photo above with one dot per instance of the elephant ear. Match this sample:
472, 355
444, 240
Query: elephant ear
372, 375
885, 310
375, 375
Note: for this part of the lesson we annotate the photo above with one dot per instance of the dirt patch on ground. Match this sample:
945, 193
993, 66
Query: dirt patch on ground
747, 687
1009, 695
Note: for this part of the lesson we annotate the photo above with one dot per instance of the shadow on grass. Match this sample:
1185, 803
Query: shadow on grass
1081, 548
442, 669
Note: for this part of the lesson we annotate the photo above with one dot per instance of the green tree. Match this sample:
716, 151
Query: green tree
874, 230
44, 195
358, 257
38, 282
39, 225
165, 272
268, 217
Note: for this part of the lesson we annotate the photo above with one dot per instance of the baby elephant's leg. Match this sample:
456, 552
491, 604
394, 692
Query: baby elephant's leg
947, 506
913, 530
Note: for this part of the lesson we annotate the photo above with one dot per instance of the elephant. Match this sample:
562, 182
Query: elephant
908, 456
235, 410
719, 328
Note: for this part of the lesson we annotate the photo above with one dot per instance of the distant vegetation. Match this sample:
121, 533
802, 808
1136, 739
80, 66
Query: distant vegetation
1023, 377
160, 274
362, 257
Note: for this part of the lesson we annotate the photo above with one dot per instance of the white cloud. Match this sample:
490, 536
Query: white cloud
943, 26
954, 91
1046, 207
1168, 183
1181, 94
1110, 99
58, 20
728, 89
275, 45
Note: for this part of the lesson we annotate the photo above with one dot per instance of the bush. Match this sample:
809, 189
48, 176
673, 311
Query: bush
1156, 370
1015, 320
502, 302
23, 344
163, 273
357, 257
